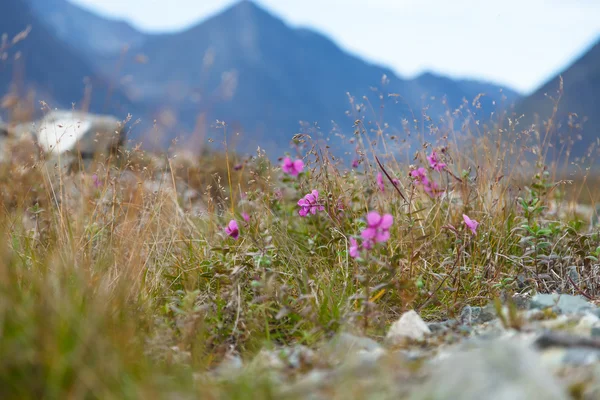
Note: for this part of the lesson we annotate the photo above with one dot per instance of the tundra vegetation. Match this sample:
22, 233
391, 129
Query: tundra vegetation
144, 275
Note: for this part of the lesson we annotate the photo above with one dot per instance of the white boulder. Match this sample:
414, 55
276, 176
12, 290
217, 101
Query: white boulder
64, 131
410, 326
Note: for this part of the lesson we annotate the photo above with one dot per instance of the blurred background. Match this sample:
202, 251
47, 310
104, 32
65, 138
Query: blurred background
264, 71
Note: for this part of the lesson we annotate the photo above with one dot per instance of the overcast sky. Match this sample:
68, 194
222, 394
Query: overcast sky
520, 43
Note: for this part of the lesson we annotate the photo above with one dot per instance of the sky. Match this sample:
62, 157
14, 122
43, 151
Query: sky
517, 43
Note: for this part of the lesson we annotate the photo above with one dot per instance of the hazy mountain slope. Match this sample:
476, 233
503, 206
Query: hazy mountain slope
247, 67
581, 95
89, 33
55, 70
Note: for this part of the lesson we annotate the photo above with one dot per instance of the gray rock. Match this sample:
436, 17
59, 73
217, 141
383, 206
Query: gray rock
502, 370
64, 131
477, 315
345, 343
442, 326
586, 324
566, 303
573, 274
581, 356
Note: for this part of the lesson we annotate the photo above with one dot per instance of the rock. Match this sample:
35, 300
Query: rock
573, 274
267, 360
410, 326
354, 352
64, 131
502, 370
566, 303
345, 343
313, 381
586, 324
442, 326
296, 357
477, 315
581, 356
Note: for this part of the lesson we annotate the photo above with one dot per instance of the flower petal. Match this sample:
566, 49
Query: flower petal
382, 236
386, 221
368, 233
233, 225
299, 165
373, 219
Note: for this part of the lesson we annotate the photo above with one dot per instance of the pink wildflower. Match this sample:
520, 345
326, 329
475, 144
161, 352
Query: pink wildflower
420, 174
434, 161
432, 189
310, 204
378, 228
355, 163
471, 224
354, 250
292, 167
246, 216
380, 182
96, 180
232, 229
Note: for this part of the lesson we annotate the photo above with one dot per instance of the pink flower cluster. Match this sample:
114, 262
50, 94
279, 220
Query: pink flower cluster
430, 187
292, 168
310, 204
434, 162
377, 231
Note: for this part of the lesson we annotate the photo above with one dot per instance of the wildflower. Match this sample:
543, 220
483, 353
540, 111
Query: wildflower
380, 182
420, 174
278, 193
96, 180
434, 161
310, 204
378, 228
395, 181
432, 189
237, 167
246, 216
232, 229
355, 163
471, 224
292, 167
354, 250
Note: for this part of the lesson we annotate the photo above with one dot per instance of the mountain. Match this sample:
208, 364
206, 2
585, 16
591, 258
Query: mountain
580, 95
89, 33
248, 68
37, 59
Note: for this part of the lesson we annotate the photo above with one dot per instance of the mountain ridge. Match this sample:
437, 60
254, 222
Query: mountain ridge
247, 66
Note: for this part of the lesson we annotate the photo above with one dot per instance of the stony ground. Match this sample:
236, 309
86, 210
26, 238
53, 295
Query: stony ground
545, 347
